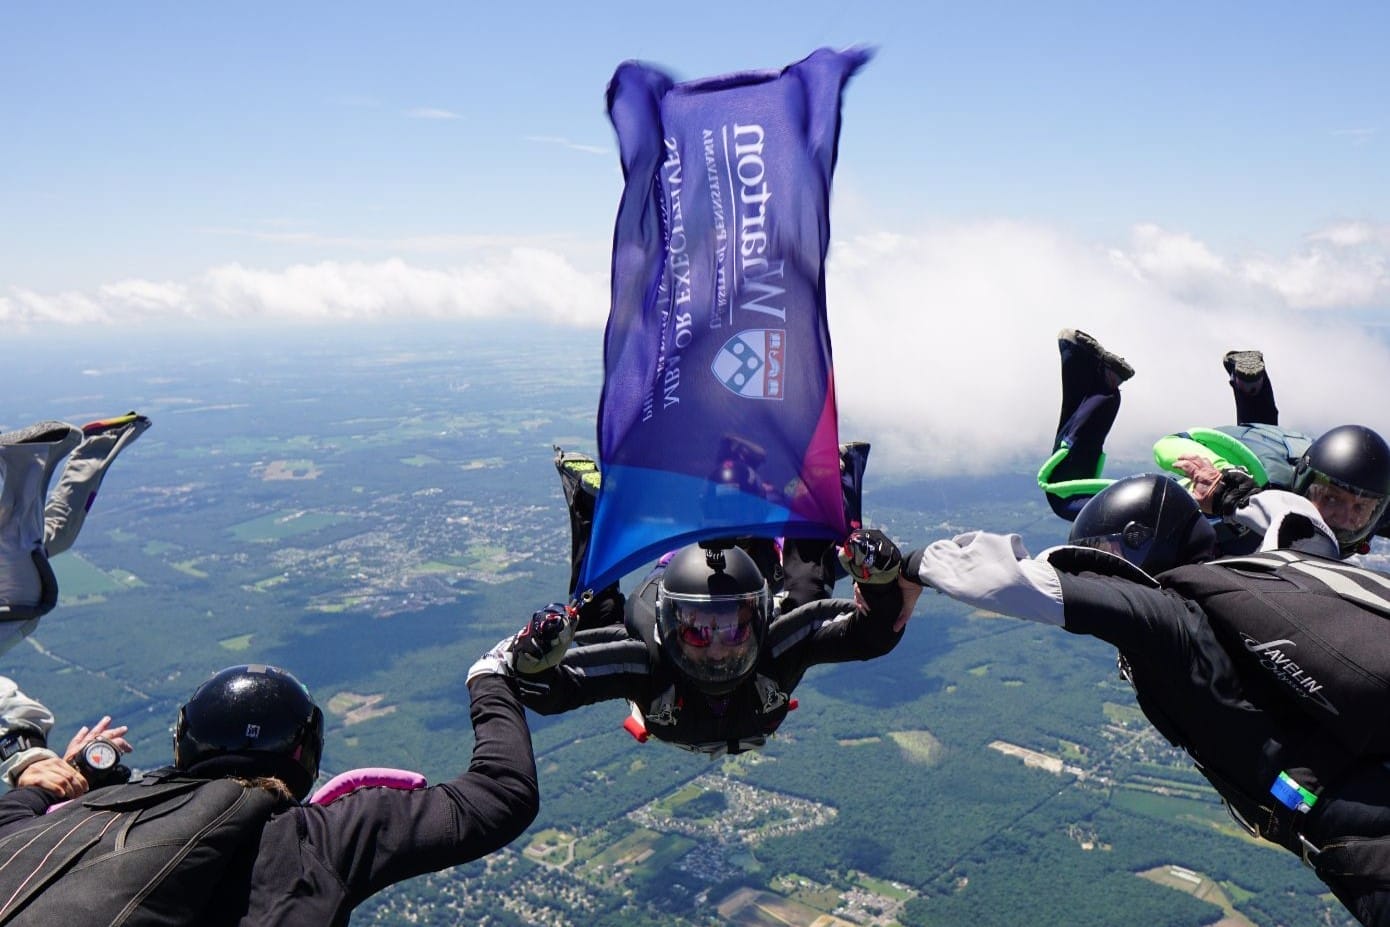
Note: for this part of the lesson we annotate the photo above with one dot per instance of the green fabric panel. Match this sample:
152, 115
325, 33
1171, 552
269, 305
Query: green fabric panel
1224, 452
1065, 489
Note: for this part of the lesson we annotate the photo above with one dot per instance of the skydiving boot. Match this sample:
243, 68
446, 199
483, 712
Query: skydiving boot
76, 491
1074, 341
580, 480
1246, 369
578, 474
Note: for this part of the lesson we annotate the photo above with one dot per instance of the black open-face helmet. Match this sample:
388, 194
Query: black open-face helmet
1346, 474
712, 614
1149, 520
251, 720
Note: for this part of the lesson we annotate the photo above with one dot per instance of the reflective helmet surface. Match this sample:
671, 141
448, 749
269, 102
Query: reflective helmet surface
251, 720
712, 614
1149, 520
1346, 474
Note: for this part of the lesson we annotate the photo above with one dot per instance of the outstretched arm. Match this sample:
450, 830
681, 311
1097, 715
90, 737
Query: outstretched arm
554, 676
377, 836
589, 673
838, 630
994, 572
990, 571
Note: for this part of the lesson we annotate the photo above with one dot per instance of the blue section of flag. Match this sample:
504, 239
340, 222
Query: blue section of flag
718, 412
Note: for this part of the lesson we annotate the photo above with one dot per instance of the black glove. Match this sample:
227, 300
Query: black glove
1232, 492
543, 642
869, 556
535, 648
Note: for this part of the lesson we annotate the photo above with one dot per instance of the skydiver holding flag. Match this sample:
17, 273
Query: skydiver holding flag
712, 643
702, 659
718, 419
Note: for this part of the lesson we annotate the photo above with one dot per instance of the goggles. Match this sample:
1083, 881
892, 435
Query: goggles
698, 635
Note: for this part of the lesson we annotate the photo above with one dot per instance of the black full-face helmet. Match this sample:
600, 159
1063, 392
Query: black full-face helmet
251, 720
712, 614
1149, 520
1346, 474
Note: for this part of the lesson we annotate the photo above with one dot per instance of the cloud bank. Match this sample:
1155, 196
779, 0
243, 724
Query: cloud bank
945, 342
944, 338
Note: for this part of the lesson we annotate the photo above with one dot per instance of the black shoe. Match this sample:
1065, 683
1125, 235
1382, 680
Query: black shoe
1248, 365
1074, 339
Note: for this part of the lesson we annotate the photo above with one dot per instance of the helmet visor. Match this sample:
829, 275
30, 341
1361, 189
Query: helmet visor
1132, 543
1351, 513
1110, 543
712, 639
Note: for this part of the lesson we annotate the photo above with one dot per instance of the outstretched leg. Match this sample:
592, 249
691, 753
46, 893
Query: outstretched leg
1251, 388
76, 491
1091, 378
854, 457
27, 460
810, 567
579, 479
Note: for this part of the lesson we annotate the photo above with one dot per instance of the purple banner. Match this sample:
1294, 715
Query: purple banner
718, 410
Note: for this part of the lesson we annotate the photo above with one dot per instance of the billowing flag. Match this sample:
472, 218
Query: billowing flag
718, 410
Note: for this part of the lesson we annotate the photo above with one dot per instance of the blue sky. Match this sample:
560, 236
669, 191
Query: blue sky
1218, 170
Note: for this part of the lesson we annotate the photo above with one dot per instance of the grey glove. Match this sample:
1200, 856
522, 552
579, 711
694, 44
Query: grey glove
869, 556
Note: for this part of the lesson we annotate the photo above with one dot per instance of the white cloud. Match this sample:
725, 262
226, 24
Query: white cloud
1323, 278
26, 307
1351, 234
524, 282
519, 282
145, 295
427, 112
944, 338
946, 355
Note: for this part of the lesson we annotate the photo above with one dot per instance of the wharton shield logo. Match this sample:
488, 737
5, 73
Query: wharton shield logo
752, 363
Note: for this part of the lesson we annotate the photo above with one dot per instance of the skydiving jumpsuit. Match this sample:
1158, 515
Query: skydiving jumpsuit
314, 863
24, 728
628, 664
797, 570
1190, 689
35, 524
